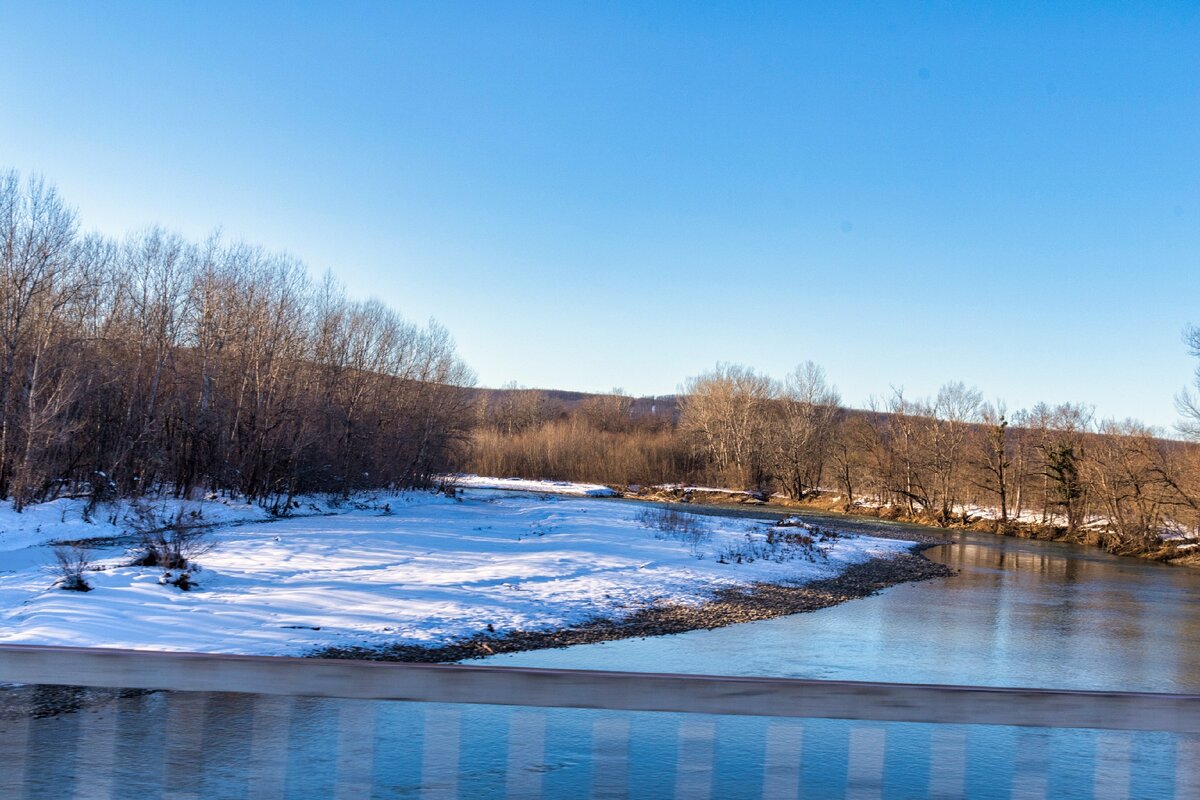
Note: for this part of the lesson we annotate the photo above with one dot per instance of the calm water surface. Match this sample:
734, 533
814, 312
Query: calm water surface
1018, 613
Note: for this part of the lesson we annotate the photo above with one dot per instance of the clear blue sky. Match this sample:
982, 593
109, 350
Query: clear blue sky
602, 194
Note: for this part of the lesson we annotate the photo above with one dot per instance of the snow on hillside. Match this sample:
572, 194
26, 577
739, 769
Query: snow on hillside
424, 570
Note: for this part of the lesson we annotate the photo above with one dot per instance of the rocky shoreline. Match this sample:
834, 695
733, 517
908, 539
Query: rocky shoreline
728, 607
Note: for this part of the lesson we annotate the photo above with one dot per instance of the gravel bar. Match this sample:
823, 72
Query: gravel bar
728, 607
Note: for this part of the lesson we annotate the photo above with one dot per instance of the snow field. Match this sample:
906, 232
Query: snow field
428, 570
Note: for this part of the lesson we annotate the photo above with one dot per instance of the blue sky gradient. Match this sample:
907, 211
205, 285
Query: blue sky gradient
599, 195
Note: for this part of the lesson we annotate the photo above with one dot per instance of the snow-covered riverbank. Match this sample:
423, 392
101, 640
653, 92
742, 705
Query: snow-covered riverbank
417, 568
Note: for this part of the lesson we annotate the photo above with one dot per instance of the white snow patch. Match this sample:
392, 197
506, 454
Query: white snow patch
63, 519
430, 570
526, 485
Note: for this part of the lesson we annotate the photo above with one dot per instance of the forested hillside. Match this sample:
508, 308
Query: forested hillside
150, 362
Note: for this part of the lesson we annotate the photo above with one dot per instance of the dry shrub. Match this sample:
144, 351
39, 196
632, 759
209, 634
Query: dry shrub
71, 563
173, 543
573, 449
671, 523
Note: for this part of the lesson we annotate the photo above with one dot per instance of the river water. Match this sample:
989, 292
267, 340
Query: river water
1017, 613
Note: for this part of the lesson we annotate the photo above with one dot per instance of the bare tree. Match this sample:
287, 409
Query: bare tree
37, 232
853, 444
1061, 436
610, 412
1188, 401
1125, 476
801, 435
955, 411
725, 412
904, 451
517, 409
163, 364
994, 457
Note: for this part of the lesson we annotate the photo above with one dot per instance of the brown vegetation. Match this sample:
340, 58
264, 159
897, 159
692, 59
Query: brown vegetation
156, 363
951, 460
600, 437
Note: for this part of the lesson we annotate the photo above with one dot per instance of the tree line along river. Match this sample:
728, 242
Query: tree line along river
1017, 613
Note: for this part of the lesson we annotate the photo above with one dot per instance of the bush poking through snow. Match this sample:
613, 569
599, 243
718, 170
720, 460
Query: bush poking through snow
671, 523
448, 485
183, 580
776, 545
70, 564
173, 543
175, 547
814, 531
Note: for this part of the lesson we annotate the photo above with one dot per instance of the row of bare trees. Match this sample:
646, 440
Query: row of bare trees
154, 362
754, 431
945, 459
948, 457
129, 366
529, 433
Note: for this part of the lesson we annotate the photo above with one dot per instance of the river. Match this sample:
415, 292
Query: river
1017, 613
